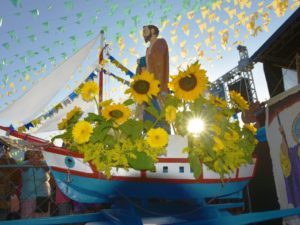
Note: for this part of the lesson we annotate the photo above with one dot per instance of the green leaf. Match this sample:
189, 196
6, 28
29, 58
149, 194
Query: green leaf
94, 117
128, 102
153, 111
100, 132
148, 124
109, 140
142, 161
66, 135
195, 165
132, 128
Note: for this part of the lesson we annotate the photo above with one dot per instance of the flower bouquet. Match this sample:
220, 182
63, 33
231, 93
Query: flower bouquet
117, 137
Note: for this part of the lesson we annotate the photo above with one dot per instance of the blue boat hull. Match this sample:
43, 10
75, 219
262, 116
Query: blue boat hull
92, 190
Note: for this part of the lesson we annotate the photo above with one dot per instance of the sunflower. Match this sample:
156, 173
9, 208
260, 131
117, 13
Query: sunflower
119, 113
218, 145
73, 112
82, 131
63, 124
238, 100
190, 84
143, 87
170, 114
251, 128
157, 137
65, 121
217, 101
89, 90
106, 103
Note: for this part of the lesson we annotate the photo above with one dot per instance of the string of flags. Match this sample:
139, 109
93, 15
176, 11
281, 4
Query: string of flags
57, 107
123, 81
120, 66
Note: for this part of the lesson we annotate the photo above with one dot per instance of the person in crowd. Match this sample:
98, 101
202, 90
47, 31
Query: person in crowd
35, 191
9, 181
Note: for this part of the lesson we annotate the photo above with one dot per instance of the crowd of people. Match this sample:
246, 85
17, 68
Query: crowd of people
27, 189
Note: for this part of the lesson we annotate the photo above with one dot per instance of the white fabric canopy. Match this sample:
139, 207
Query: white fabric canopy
32, 103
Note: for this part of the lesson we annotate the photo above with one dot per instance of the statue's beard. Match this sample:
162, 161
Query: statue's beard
147, 38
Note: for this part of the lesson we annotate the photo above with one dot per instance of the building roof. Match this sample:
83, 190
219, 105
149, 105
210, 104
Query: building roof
280, 49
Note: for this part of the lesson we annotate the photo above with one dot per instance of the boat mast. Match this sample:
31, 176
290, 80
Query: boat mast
101, 68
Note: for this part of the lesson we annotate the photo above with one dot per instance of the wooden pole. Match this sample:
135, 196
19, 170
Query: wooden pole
298, 67
101, 69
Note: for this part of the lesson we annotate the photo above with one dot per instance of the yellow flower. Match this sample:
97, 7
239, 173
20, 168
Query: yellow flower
143, 87
218, 146
215, 129
250, 127
238, 100
157, 137
170, 114
82, 131
106, 103
219, 117
217, 101
89, 90
63, 124
119, 113
190, 84
231, 136
73, 112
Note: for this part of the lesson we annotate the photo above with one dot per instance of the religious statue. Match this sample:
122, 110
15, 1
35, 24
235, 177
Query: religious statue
156, 61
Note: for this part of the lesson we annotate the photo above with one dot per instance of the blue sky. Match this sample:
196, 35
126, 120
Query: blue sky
36, 36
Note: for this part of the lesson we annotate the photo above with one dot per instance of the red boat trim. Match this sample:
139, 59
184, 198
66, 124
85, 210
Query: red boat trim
23, 136
143, 174
62, 151
173, 160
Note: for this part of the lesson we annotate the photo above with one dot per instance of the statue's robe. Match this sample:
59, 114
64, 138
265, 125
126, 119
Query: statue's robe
157, 62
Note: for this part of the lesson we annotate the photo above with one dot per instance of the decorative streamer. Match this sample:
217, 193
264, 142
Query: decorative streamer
120, 66
37, 121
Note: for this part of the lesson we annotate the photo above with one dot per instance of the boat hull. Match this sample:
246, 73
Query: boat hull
92, 190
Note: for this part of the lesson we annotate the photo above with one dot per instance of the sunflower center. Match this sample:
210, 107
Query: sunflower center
116, 114
141, 86
188, 83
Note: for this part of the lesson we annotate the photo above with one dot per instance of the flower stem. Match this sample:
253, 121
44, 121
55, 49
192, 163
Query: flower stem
97, 104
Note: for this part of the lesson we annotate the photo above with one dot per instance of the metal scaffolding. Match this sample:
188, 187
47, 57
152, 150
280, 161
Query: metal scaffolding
239, 79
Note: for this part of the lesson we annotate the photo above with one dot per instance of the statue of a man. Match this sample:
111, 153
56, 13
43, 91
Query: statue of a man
156, 60
157, 56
